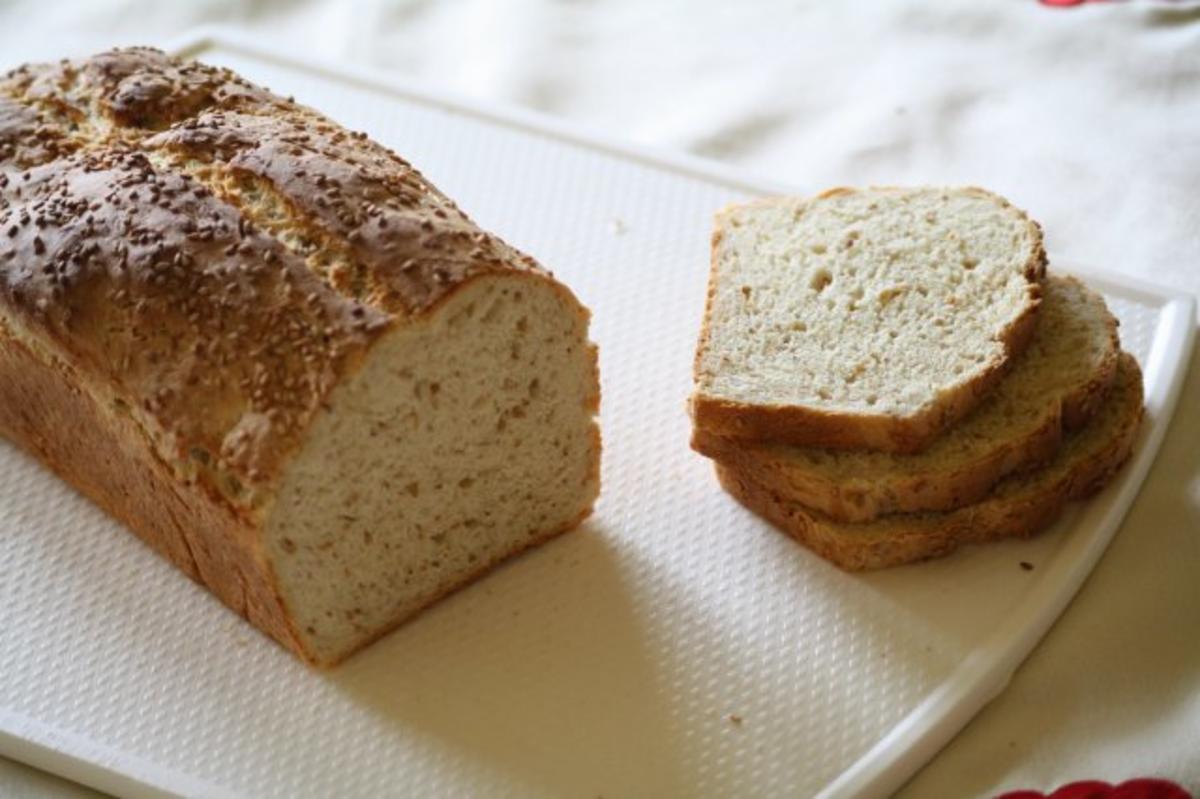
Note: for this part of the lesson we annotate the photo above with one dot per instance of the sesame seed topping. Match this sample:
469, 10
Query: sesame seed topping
227, 231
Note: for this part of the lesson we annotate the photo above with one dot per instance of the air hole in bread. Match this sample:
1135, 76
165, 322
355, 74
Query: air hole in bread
820, 279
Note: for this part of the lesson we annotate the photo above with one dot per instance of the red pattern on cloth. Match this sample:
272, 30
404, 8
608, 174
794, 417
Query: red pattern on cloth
1142, 788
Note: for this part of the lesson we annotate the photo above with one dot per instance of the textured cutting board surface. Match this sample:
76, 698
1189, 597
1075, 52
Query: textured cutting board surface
673, 646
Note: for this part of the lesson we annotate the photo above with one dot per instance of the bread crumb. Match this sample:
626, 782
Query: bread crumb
1026, 566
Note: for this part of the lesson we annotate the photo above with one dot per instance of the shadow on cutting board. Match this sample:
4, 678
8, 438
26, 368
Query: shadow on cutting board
535, 678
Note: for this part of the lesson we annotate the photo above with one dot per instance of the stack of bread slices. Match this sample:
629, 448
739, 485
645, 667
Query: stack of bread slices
886, 374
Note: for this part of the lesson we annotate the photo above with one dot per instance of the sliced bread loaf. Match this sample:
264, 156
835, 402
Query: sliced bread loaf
1056, 383
275, 351
1019, 505
863, 318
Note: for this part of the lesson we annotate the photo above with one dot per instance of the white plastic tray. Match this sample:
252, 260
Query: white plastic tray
674, 646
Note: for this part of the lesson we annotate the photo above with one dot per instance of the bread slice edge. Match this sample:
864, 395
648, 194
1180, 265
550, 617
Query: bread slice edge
910, 538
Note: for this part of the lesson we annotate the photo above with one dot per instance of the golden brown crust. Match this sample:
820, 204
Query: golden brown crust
215, 334
913, 537
61, 417
852, 555
852, 501
223, 333
25, 139
128, 92
814, 427
406, 244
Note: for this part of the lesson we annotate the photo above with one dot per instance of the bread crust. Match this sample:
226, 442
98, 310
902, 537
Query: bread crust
805, 426
909, 538
859, 500
179, 284
88, 439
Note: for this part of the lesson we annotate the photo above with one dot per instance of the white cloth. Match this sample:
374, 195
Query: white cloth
1089, 117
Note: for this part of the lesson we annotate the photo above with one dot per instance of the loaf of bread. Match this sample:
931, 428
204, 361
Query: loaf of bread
1020, 505
863, 318
1055, 385
275, 352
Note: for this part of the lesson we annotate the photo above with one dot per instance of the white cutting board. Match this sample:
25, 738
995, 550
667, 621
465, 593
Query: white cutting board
674, 646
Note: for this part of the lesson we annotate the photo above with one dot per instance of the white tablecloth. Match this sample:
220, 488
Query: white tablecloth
1089, 117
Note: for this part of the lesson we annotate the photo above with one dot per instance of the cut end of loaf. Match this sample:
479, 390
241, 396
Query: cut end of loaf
870, 318
461, 441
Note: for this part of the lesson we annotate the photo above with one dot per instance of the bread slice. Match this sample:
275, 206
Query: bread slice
1057, 383
1019, 506
863, 319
